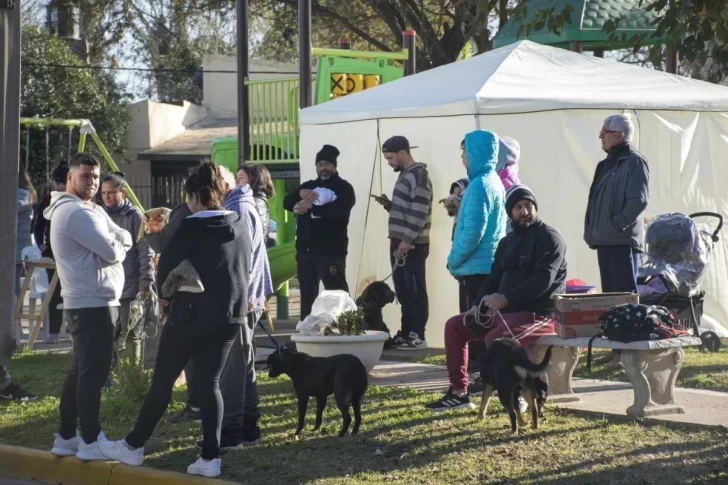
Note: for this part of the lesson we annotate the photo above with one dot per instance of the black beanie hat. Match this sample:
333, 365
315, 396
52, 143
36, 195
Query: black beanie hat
517, 193
328, 153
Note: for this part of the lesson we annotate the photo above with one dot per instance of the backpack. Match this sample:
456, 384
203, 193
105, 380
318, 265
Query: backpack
634, 323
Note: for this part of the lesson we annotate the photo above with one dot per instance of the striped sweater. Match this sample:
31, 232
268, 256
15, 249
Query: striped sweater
410, 214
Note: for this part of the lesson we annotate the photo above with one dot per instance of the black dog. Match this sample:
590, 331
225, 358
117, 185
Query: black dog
375, 297
506, 368
342, 375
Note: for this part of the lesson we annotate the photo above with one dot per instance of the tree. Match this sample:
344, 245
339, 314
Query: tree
69, 93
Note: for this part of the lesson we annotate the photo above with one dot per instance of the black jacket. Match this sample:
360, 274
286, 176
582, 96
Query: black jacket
618, 198
529, 269
327, 233
218, 245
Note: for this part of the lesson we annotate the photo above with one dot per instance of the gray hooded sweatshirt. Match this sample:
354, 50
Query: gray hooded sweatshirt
89, 250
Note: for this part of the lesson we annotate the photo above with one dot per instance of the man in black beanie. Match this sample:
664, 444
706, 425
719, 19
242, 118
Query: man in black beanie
528, 271
323, 206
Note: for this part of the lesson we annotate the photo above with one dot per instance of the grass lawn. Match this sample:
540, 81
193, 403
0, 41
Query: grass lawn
700, 370
399, 442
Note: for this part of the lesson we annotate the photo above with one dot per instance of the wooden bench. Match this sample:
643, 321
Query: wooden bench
651, 366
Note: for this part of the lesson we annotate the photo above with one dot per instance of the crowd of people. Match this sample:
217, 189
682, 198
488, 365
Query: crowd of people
509, 265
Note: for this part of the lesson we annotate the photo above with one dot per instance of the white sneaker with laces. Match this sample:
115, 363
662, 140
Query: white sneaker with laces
210, 469
91, 451
119, 450
63, 447
414, 342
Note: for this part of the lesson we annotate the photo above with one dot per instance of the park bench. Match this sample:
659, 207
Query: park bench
652, 367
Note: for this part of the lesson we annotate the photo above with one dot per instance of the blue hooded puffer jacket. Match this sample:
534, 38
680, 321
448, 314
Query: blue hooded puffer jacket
481, 222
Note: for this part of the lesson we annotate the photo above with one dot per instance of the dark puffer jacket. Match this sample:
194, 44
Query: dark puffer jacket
138, 266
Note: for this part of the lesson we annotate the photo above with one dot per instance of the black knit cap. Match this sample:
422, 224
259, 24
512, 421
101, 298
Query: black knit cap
329, 153
517, 193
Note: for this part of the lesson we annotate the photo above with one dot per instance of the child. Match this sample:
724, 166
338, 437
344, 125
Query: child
452, 202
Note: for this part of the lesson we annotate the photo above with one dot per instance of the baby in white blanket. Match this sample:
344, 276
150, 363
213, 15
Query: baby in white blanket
325, 196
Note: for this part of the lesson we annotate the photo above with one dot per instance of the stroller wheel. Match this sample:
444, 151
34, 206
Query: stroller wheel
711, 341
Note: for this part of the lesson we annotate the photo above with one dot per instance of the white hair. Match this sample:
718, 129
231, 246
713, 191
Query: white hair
227, 176
621, 124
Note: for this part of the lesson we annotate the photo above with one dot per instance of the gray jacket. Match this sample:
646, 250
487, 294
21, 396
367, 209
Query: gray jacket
89, 249
25, 217
138, 266
617, 200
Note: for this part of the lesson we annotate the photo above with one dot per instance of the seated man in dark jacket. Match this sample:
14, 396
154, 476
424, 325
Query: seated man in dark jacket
321, 228
516, 301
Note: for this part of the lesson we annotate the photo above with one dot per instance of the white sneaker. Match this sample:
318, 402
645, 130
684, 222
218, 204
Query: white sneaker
91, 452
63, 447
120, 451
210, 469
414, 342
522, 405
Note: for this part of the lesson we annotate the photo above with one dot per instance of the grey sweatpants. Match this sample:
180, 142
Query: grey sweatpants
238, 380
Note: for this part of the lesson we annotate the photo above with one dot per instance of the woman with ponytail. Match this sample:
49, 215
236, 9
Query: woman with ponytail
201, 326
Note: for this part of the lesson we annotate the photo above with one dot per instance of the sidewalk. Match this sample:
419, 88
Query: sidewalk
709, 408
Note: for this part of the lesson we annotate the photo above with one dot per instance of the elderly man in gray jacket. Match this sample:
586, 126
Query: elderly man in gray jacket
617, 201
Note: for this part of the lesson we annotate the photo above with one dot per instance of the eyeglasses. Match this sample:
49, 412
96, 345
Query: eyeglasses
604, 132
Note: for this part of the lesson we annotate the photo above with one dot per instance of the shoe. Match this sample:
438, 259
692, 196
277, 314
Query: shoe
451, 401
63, 447
476, 386
14, 392
188, 414
230, 440
250, 434
399, 339
119, 450
210, 469
91, 451
52, 339
414, 342
522, 405
108, 384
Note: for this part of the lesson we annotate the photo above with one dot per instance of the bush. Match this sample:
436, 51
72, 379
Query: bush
350, 322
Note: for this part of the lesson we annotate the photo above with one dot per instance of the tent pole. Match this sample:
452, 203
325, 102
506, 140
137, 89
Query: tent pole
304, 54
409, 42
243, 92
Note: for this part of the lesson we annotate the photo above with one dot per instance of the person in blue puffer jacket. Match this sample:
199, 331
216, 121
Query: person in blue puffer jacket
481, 221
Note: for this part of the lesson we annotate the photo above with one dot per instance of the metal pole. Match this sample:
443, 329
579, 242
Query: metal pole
409, 42
243, 101
305, 98
9, 159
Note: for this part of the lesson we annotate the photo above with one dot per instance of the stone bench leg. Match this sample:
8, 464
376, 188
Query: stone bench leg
563, 363
653, 374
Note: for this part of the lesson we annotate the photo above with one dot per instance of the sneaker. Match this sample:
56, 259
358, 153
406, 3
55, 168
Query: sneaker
210, 469
14, 392
188, 414
108, 384
63, 447
230, 440
250, 434
476, 386
91, 451
414, 342
399, 339
451, 401
53, 338
120, 451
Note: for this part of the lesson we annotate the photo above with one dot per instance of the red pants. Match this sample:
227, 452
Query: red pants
520, 326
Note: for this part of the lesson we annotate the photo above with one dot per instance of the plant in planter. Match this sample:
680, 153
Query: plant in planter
350, 322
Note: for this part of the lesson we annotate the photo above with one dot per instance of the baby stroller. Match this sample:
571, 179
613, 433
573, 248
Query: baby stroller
676, 258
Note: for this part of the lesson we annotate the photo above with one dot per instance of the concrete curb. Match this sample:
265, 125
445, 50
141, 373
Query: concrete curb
32, 464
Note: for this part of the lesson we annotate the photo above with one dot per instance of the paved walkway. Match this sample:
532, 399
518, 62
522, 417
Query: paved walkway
607, 397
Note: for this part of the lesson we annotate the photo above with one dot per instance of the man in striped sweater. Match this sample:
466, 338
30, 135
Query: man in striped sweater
410, 215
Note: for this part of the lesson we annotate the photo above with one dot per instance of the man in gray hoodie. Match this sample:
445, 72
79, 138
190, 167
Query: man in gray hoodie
89, 250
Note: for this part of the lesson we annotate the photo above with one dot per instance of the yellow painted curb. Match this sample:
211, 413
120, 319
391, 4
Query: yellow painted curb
32, 464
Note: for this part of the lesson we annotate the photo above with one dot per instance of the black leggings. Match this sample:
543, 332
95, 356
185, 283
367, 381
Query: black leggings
208, 346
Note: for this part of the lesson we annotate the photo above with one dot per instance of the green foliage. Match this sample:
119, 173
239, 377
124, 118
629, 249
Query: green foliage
131, 379
66, 93
350, 322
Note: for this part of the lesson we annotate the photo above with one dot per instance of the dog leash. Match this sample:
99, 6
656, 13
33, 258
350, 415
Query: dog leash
272, 339
399, 261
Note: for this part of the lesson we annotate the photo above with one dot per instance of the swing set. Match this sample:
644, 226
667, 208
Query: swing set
85, 129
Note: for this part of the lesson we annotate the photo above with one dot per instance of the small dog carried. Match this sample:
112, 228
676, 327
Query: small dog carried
506, 368
342, 375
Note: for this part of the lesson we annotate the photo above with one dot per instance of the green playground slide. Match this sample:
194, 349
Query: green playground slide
282, 261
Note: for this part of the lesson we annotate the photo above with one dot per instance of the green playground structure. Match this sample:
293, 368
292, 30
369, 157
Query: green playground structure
274, 136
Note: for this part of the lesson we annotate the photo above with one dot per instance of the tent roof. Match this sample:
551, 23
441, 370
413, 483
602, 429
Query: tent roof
520, 78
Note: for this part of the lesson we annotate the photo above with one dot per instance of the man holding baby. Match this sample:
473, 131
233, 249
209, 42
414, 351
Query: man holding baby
323, 207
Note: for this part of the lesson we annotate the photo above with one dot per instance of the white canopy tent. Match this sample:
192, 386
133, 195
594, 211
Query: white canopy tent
553, 102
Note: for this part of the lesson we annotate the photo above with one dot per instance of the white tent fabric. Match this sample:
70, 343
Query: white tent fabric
685, 146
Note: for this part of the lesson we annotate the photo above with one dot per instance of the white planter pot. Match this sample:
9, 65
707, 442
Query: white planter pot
367, 347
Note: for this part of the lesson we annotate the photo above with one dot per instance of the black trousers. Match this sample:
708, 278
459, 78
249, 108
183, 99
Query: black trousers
92, 331
411, 288
208, 346
618, 268
314, 269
